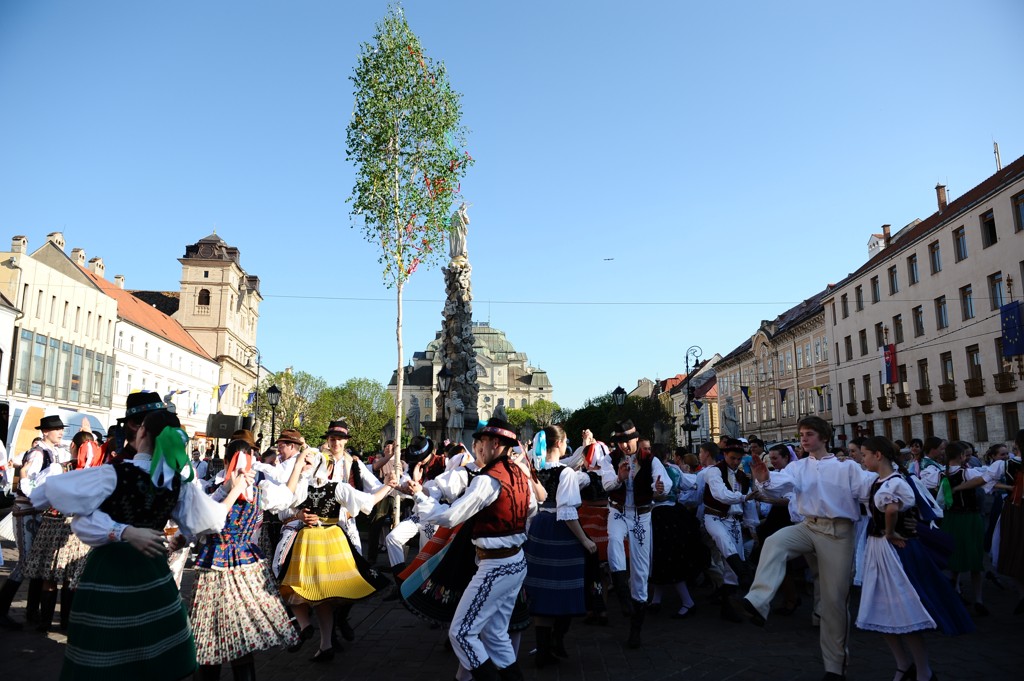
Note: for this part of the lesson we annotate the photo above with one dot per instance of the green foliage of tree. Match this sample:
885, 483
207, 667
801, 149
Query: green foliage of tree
366, 406
517, 418
599, 414
538, 414
297, 408
406, 141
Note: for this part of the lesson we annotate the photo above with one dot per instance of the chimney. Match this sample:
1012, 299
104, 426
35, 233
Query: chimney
19, 244
886, 235
119, 280
57, 238
940, 194
97, 267
78, 256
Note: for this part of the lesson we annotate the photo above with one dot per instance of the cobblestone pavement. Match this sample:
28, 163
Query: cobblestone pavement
394, 645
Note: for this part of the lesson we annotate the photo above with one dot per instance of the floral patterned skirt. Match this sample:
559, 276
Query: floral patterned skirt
57, 555
237, 611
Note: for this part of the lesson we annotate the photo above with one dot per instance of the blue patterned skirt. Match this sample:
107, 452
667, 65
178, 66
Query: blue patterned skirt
554, 568
934, 590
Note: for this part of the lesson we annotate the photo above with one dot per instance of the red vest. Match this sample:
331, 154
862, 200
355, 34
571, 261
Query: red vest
719, 508
507, 515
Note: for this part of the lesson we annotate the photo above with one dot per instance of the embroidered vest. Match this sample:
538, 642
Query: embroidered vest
506, 516
906, 519
720, 508
549, 478
323, 502
642, 481
137, 501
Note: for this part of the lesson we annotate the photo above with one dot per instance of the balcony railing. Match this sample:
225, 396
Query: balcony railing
924, 395
851, 408
903, 400
974, 387
884, 403
1005, 382
947, 392
867, 405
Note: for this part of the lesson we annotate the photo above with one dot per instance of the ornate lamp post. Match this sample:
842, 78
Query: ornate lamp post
444, 384
274, 397
619, 395
253, 350
695, 352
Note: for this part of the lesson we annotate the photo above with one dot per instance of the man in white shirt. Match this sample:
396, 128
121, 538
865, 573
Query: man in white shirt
828, 493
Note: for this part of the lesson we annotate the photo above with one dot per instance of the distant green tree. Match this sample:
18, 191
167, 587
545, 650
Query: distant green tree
599, 415
297, 408
365, 405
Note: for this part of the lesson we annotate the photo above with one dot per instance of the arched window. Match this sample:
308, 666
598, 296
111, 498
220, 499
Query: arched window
511, 404
204, 297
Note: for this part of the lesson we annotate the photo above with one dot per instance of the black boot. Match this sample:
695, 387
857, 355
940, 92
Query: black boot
35, 590
729, 612
67, 595
396, 591
620, 580
485, 672
636, 623
7, 592
209, 672
341, 622
544, 657
558, 633
511, 673
47, 604
742, 570
244, 669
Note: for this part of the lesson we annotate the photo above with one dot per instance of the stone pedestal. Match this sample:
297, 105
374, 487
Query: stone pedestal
457, 353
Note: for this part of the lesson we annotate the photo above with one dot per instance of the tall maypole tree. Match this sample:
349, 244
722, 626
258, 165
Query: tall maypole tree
407, 142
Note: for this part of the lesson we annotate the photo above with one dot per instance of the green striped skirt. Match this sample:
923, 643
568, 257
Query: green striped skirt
128, 620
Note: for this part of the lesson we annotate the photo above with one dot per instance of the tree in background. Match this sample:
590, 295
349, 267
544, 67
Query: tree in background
538, 414
365, 404
298, 406
599, 414
406, 141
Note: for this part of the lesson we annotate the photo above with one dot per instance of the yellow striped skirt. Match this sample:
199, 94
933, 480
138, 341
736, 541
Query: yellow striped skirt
322, 567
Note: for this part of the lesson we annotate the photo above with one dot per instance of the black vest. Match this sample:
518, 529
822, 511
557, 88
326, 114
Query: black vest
642, 481
964, 501
720, 508
906, 519
137, 501
323, 502
549, 478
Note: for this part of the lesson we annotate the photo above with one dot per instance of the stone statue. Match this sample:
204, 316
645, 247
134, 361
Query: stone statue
730, 422
412, 419
458, 227
499, 411
454, 411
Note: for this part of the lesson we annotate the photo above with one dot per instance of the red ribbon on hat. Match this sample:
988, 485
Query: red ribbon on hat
245, 465
89, 454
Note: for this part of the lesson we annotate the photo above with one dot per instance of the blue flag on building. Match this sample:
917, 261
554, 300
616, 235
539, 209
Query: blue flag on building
782, 394
251, 397
745, 389
1013, 329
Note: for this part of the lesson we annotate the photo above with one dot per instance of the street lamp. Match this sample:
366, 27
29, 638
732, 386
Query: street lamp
695, 352
444, 384
619, 395
253, 350
274, 397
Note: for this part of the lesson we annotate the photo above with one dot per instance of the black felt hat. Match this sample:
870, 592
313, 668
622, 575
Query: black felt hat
50, 423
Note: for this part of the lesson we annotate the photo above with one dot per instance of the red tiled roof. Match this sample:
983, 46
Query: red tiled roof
708, 389
136, 312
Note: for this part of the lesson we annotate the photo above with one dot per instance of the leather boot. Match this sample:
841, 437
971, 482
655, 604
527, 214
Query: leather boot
35, 590
729, 612
396, 591
620, 580
209, 672
486, 672
544, 658
558, 633
511, 673
742, 570
636, 623
7, 592
47, 604
244, 670
342, 623
67, 595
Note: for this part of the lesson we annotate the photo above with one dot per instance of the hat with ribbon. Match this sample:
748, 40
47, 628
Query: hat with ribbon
138, 405
291, 435
50, 423
420, 448
624, 431
500, 429
337, 429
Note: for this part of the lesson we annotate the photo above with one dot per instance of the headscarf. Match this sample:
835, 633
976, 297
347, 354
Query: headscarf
89, 454
243, 461
170, 458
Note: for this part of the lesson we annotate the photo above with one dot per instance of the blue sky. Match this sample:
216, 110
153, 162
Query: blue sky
733, 158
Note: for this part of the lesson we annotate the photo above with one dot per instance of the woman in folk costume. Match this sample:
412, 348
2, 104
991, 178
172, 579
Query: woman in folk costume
904, 591
1008, 539
593, 516
235, 606
555, 547
128, 620
58, 556
324, 566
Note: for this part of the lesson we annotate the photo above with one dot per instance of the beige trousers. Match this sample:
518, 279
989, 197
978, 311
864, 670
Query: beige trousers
833, 543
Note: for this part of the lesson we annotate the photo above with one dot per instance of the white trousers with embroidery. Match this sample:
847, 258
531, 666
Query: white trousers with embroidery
479, 630
727, 535
636, 529
400, 536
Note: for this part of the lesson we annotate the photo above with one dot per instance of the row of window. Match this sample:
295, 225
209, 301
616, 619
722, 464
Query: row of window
996, 298
73, 320
55, 369
979, 416
989, 237
745, 376
798, 403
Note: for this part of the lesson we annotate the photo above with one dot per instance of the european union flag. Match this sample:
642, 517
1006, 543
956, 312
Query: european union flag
1013, 329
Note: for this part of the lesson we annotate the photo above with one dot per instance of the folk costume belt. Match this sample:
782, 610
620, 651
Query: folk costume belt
621, 508
492, 554
721, 514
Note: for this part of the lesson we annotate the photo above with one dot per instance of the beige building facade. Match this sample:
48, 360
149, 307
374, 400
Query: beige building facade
933, 289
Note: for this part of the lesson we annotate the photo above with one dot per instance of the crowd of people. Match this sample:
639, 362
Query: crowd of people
509, 535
